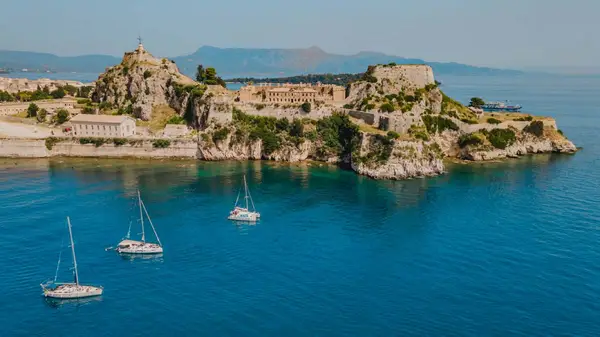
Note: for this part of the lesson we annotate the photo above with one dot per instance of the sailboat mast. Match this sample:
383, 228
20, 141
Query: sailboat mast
246, 191
141, 216
151, 224
73, 251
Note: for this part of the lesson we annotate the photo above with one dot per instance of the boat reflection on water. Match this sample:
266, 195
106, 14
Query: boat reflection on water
64, 302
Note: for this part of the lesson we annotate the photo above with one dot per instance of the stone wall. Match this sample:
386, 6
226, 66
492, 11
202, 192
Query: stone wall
36, 148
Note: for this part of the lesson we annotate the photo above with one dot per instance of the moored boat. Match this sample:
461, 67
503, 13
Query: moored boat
500, 106
53, 289
128, 246
240, 213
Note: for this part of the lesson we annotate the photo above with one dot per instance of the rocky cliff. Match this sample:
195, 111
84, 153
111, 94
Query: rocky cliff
382, 158
141, 82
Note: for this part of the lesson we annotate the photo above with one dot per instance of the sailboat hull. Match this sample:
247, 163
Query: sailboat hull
71, 290
138, 247
244, 216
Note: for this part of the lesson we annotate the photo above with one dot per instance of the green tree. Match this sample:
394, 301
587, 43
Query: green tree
58, 93
297, 129
71, 90
41, 115
306, 107
62, 115
32, 110
200, 74
209, 76
476, 102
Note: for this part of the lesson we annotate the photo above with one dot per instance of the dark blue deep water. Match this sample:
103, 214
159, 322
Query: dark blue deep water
500, 249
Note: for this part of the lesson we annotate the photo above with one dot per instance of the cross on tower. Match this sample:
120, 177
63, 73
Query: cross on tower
139, 39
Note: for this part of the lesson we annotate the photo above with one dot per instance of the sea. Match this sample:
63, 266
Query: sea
510, 248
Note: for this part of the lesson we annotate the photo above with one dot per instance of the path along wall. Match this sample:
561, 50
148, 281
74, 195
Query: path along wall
36, 148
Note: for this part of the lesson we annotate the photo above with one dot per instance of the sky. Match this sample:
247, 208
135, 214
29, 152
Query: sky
498, 33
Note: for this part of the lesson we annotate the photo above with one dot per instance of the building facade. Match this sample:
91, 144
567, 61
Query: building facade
292, 93
102, 126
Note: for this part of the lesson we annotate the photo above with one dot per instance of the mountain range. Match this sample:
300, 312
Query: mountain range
243, 62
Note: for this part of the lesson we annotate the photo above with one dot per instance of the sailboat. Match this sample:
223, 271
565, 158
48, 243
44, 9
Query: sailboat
53, 289
243, 213
128, 246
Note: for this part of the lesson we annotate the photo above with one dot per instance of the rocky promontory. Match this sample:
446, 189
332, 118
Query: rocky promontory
395, 123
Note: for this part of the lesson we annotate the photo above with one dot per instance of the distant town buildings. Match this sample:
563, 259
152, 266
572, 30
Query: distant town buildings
292, 93
103, 126
14, 85
12, 108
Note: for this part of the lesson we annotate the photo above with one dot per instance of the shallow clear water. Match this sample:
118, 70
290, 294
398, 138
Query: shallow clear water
497, 249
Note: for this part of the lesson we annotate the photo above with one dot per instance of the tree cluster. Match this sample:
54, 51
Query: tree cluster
209, 76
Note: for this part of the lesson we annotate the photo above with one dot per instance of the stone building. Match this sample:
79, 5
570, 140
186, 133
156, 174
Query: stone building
103, 126
51, 106
292, 93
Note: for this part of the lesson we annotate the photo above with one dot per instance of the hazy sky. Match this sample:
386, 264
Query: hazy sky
508, 33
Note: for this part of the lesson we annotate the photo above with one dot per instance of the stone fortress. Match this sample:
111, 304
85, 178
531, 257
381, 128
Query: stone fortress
292, 93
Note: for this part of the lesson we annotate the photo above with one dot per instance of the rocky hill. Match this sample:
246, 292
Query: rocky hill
396, 123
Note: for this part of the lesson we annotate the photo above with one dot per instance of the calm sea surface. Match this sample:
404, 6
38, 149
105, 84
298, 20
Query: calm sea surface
502, 249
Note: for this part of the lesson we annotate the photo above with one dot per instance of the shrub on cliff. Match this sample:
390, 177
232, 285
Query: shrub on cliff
476, 102
437, 124
393, 135
524, 119
386, 107
282, 124
50, 141
339, 134
535, 128
475, 138
161, 143
501, 138
493, 120
297, 128
147, 74
306, 107
220, 135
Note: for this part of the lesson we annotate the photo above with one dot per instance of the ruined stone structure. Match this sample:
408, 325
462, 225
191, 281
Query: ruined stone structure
292, 93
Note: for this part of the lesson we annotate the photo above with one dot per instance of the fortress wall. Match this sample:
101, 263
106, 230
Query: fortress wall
36, 148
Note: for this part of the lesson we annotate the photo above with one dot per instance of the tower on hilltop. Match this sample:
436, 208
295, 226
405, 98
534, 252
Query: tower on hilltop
140, 48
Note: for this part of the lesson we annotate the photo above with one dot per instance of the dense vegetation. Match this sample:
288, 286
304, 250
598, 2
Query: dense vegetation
438, 124
501, 138
44, 93
209, 76
338, 135
475, 138
493, 120
337, 79
535, 128
476, 102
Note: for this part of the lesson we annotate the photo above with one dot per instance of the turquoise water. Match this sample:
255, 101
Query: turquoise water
487, 250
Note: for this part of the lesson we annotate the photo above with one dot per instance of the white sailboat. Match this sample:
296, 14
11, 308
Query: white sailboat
244, 213
128, 246
53, 289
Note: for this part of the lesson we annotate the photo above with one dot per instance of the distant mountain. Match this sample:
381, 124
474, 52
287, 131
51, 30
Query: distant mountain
18, 60
239, 62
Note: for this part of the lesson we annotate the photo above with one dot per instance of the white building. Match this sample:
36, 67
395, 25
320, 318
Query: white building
103, 126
